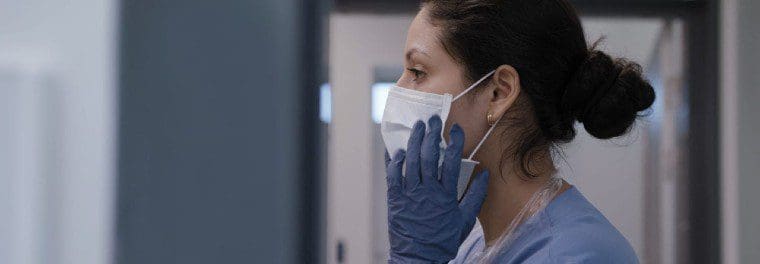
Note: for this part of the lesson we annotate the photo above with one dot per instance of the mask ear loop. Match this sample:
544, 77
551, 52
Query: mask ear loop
484, 139
473, 86
493, 126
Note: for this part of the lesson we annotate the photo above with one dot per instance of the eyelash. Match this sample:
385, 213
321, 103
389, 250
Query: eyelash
417, 73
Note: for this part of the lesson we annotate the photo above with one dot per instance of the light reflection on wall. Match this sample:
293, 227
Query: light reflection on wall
325, 103
379, 95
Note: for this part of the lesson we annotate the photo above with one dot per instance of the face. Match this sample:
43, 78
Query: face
429, 68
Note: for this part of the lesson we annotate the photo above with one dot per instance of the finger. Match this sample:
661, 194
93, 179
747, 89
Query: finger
412, 175
452, 157
431, 152
387, 158
393, 173
474, 197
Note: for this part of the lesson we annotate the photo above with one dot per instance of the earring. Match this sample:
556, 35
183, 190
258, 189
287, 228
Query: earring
489, 117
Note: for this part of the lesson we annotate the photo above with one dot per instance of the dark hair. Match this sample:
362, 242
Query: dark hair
564, 79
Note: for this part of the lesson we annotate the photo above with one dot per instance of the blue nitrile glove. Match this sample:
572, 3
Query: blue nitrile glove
426, 224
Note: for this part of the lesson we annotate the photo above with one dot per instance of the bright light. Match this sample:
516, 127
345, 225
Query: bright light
379, 96
325, 103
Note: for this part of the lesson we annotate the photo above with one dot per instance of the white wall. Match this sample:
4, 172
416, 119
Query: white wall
358, 43
611, 173
68, 50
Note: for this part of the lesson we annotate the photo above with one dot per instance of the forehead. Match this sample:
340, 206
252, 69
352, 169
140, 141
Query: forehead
423, 36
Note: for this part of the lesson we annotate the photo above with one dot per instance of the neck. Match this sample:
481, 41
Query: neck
509, 189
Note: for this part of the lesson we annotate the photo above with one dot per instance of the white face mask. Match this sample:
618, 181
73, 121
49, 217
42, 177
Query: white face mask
405, 107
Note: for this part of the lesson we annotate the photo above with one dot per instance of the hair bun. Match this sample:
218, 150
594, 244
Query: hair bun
606, 95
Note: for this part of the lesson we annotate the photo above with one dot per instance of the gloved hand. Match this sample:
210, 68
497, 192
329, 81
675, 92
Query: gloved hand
426, 224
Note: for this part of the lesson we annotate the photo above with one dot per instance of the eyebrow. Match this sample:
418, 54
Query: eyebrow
415, 50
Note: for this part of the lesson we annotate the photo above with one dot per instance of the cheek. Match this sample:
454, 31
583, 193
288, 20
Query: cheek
470, 115
441, 84
444, 78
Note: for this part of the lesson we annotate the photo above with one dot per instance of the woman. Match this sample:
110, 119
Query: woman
506, 80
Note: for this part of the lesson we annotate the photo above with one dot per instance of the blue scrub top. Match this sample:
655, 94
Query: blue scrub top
568, 230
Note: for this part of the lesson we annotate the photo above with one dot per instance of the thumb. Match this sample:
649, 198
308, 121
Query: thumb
474, 198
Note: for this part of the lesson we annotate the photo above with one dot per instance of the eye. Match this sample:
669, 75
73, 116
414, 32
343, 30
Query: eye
417, 73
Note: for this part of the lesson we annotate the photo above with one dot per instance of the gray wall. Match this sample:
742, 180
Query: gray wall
214, 131
749, 129
740, 148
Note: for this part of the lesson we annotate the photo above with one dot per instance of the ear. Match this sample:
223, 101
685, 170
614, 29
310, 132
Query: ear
506, 89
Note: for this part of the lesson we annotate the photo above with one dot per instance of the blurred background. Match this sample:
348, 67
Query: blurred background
247, 131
